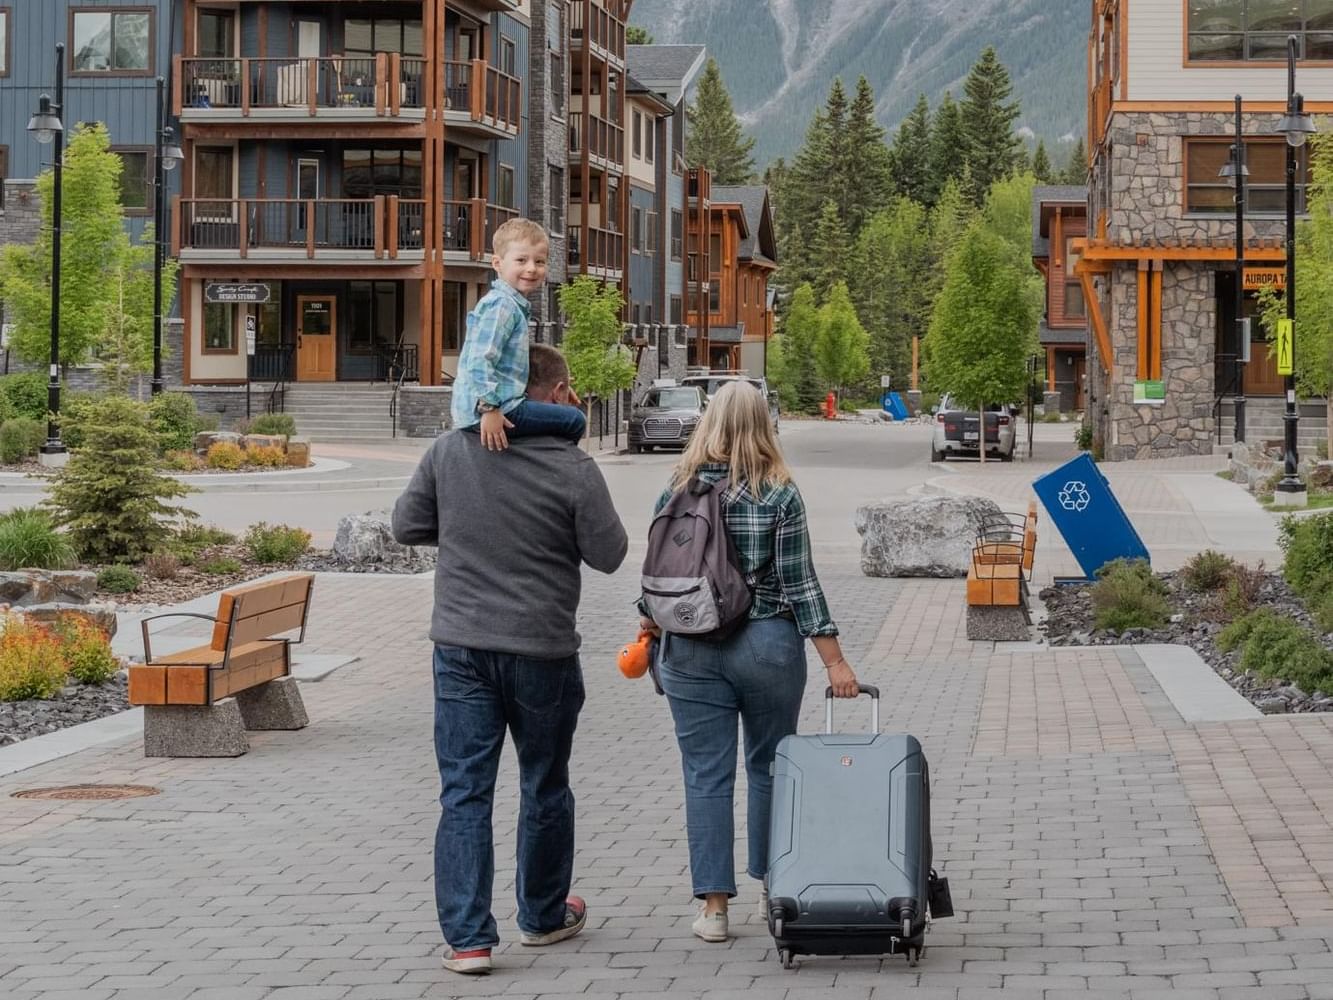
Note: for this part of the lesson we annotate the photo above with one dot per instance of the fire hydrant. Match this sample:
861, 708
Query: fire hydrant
830, 407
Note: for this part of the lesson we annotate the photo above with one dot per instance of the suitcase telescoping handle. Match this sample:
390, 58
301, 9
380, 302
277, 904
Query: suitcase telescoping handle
869, 689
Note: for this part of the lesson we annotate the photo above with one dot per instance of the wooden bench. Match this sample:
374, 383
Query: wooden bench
997, 578
199, 702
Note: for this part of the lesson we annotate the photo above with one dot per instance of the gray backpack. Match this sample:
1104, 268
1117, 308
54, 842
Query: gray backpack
693, 583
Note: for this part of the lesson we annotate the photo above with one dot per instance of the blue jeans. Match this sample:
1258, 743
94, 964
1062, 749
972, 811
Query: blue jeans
757, 676
533, 419
477, 695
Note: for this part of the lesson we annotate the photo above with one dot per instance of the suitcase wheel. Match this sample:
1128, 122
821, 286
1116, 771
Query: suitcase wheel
787, 958
914, 954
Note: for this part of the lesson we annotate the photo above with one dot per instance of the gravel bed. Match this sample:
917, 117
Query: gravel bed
21, 720
1069, 622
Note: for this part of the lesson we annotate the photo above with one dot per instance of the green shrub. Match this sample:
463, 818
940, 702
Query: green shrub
1051, 417
76, 410
221, 566
29, 539
276, 544
1209, 570
1083, 437
1307, 545
1241, 592
174, 419
118, 580
200, 536
32, 663
25, 394
1127, 595
225, 455
273, 423
1281, 648
182, 461
111, 496
87, 652
1322, 611
20, 437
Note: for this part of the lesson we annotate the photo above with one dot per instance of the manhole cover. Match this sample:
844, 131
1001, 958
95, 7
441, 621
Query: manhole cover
89, 792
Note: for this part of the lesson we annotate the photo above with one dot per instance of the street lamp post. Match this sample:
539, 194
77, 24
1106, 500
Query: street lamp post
1235, 168
166, 155
1297, 126
47, 127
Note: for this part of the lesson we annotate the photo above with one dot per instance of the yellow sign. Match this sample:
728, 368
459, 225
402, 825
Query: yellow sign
1265, 277
1285, 346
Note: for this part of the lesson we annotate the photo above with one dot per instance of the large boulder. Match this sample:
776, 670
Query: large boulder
102, 616
364, 542
928, 536
25, 587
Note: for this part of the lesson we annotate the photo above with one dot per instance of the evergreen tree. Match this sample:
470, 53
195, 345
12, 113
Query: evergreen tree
910, 156
715, 139
635, 35
988, 121
864, 175
1041, 165
889, 264
1022, 162
799, 387
841, 356
1076, 167
814, 173
793, 259
948, 147
829, 250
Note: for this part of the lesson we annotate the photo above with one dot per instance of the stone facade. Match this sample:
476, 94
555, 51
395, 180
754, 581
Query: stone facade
423, 410
548, 143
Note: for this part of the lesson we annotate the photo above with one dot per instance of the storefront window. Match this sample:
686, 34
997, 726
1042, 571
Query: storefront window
1266, 184
373, 315
219, 327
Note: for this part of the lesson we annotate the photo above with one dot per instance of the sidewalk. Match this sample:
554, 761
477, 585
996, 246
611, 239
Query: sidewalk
1097, 844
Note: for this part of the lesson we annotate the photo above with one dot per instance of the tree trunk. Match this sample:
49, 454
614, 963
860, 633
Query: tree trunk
1328, 425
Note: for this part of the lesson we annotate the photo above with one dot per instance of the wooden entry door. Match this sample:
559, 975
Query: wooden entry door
316, 338
1261, 377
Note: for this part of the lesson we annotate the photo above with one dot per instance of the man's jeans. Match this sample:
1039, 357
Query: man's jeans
758, 675
478, 694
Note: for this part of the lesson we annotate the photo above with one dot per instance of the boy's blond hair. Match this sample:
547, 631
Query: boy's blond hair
518, 231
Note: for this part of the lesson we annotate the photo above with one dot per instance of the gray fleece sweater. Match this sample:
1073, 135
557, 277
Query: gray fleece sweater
513, 528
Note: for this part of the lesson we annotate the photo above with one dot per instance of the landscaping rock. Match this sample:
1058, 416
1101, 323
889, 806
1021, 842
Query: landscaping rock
264, 441
77, 703
364, 544
930, 536
101, 615
1272, 706
26, 587
298, 452
205, 439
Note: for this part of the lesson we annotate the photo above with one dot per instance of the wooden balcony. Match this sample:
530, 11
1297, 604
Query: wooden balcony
604, 254
595, 26
603, 140
294, 230
1099, 110
479, 99
467, 227
337, 88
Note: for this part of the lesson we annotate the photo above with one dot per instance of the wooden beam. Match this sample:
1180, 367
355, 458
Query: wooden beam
1141, 331
1155, 320
1103, 252
1095, 316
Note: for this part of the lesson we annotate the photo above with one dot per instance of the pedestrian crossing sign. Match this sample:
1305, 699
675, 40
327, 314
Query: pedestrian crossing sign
1285, 346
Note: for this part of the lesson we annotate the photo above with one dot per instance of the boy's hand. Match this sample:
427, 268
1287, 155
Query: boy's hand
493, 424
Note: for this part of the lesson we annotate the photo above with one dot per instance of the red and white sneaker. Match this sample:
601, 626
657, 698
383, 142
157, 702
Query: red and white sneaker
576, 915
470, 963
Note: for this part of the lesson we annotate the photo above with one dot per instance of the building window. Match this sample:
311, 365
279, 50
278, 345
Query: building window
508, 57
638, 135
677, 309
715, 297
636, 230
556, 213
651, 236
1256, 30
715, 253
215, 34
557, 85
364, 36
219, 328
576, 187
649, 139
112, 41
1266, 186
505, 187
136, 186
4, 43
372, 315
371, 172
677, 231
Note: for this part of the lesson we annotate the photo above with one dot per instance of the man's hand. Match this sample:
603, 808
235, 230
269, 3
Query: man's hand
648, 625
493, 424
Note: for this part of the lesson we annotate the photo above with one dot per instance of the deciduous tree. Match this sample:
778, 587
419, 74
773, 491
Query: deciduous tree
599, 364
796, 378
842, 347
890, 263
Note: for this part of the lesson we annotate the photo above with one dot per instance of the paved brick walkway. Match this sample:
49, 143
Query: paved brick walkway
1097, 845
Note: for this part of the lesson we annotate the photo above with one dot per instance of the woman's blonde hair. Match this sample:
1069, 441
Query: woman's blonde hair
736, 430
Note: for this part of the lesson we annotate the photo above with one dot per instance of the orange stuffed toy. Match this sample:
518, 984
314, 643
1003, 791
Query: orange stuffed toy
635, 658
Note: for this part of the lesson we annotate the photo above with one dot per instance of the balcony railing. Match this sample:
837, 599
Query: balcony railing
605, 249
604, 139
272, 364
595, 25
467, 226
484, 93
290, 227
381, 85
407, 222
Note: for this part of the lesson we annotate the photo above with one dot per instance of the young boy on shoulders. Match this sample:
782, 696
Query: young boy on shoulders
493, 364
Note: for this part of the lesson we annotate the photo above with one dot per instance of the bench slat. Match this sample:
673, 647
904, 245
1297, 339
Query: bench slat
182, 678
258, 599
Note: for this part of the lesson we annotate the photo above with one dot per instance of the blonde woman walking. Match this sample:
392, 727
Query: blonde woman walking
757, 674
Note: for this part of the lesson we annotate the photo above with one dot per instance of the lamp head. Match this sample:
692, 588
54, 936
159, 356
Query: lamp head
1229, 169
45, 125
1296, 124
171, 153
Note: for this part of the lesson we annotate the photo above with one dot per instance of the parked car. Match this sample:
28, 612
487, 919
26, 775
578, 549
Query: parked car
665, 417
956, 430
711, 382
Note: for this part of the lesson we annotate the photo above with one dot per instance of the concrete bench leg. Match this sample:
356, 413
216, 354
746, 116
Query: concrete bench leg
997, 624
215, 730
275, 705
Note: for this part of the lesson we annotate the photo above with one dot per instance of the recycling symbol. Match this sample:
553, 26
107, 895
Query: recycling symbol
1075, 496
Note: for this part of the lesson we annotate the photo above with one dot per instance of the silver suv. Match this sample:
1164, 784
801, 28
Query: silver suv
665, 417
711, 382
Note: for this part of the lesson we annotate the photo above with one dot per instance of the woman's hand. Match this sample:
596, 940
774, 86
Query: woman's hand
842, 678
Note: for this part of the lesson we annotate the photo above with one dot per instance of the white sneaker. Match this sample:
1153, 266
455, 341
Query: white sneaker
710, 927
763, 904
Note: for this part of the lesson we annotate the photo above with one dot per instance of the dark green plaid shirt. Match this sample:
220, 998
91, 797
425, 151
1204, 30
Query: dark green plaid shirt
773, 540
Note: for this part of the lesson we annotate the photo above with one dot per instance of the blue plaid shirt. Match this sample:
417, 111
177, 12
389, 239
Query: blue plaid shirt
493, 365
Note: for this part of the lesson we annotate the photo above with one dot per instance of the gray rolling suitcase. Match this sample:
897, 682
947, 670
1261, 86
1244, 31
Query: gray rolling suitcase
849, 844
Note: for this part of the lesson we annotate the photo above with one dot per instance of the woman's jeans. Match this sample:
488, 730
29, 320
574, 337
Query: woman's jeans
758, 676
478, 695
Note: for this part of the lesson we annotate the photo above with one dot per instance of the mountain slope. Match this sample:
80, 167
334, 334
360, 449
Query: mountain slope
779, 57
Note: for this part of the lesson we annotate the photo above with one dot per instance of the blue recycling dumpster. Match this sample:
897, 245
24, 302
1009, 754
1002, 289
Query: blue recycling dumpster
894, 406
1089, 517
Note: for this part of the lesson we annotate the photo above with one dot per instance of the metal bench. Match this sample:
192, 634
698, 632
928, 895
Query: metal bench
997, 579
